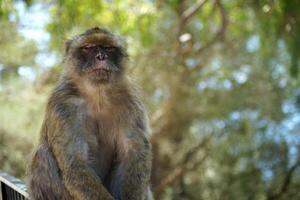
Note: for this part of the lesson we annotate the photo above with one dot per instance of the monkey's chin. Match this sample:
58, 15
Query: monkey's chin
100, 76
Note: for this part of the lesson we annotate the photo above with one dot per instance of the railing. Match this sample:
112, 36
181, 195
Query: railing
12, 188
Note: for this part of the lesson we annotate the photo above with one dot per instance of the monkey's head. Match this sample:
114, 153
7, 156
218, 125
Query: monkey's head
96, 55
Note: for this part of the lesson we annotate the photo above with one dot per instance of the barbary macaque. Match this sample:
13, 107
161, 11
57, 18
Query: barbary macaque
94, 142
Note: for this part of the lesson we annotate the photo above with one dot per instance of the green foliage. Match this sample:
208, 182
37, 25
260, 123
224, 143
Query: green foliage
15, 50
14, 153
221, 86
121, 16
18, 52
21, 117
6, 7
281, 20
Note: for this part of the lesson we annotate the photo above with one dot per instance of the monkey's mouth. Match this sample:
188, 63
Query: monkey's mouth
100, 73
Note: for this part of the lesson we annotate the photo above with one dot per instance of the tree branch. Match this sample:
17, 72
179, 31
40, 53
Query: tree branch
286, 182
185, 16
191, 11
219, 34
184, 166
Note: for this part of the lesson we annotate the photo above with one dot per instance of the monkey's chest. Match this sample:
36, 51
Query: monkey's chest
102, 147
101, 160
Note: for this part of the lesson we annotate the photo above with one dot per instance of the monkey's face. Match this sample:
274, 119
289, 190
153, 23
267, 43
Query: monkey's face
97, 55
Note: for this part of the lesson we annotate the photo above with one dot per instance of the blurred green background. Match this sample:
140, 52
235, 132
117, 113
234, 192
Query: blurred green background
220, 79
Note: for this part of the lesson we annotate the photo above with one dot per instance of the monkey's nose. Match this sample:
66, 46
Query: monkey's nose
101, 56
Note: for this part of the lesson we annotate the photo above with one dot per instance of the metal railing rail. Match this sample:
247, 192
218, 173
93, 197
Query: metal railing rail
12, 188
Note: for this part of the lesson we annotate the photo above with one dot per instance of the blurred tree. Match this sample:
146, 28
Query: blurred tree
220, 81
210, 69
16, 50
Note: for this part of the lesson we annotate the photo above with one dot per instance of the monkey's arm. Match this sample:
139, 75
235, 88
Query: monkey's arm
71, 152
138, 166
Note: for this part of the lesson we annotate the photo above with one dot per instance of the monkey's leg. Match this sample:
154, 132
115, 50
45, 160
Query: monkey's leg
70, 150
115, 184
44, 180
80, 180
136, 169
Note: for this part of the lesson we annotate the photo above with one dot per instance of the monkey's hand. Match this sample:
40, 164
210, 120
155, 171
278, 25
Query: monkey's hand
138, 168
71, 151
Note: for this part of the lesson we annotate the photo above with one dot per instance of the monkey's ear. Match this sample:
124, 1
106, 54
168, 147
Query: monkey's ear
124, 45
67, 46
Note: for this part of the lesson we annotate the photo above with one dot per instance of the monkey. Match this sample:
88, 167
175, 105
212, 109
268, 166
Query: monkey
94, 142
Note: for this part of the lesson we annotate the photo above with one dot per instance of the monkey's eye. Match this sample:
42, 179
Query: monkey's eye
88, 46
109, 48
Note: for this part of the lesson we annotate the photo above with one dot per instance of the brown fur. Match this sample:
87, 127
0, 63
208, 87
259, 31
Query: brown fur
94, 140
